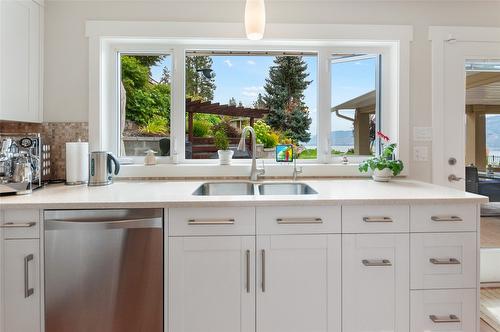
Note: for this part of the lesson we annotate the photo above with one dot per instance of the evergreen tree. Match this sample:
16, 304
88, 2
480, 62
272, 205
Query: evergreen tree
240, 104
284, 96
259, 103
166, 76
197, 85
232, 102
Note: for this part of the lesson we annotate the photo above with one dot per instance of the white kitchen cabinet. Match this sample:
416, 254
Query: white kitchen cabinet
21, 60
21, 294
211, 284
298, 283
375, 282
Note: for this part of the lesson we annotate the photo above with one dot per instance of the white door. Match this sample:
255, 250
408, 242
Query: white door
21, 286
375, 282
298, 283
20, 60
211, 284
448, 103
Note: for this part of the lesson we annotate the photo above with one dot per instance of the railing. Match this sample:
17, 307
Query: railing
493, 160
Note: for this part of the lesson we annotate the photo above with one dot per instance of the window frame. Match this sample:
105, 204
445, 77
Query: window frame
104, 76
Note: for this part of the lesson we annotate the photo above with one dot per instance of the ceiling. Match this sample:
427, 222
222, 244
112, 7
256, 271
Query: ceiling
483, 88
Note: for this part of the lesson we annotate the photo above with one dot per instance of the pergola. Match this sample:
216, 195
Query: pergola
482, 97
364, 106
206, 107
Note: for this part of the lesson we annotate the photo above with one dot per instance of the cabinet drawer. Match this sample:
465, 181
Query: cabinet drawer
443, 260
376, 219
443, 310
298, 220
212, 221
443, 218
21, 224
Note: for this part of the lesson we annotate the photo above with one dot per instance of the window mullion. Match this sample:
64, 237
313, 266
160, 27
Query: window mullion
178, 151
324, 100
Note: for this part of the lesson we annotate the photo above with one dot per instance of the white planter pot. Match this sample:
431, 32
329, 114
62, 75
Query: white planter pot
225, 156
383, 175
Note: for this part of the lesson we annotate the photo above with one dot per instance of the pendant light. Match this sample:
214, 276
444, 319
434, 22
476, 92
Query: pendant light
255, 19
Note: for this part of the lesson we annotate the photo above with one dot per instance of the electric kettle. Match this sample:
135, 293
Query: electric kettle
101, 168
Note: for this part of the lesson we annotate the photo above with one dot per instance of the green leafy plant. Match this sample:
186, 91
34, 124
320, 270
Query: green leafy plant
385, 160
221, 140
265, 135
155, 126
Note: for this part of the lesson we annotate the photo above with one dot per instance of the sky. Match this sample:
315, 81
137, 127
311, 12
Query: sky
243, 77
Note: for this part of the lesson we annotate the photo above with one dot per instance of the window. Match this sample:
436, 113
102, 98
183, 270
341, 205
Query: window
355, 104
274, 92
145, 104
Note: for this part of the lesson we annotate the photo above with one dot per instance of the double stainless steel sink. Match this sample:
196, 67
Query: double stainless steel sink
250, 188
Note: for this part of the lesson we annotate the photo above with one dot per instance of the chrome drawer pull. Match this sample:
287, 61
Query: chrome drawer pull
376, 262
444, 261
297, 221
211, 222
446, 218
27, 290
445, 319
247, 255
15, 225
377, 219
263, 270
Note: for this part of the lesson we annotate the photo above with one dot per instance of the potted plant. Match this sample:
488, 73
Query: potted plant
222, 144
384, 166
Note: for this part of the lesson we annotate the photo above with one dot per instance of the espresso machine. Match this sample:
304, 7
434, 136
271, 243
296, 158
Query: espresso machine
21, 163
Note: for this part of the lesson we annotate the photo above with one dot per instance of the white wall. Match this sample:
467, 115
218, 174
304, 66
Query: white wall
66, 48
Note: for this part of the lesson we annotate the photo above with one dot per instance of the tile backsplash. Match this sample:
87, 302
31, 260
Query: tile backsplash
56, 134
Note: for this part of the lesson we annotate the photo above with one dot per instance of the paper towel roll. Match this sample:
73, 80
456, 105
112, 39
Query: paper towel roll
77, 162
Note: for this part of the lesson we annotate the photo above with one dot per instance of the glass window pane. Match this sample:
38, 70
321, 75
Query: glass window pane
273, 92
354, 104
145, 96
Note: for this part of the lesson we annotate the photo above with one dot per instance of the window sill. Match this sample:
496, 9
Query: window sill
236, 170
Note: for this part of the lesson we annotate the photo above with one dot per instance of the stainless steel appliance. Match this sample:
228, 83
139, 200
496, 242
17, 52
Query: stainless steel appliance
101, 168
104, 270
22, 163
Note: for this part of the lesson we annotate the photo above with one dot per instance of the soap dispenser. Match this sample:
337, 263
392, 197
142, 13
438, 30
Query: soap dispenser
150, 158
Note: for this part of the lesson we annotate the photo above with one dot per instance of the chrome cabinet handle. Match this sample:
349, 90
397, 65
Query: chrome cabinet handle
27, 290
297, 221
229, 221
445, 319
377, 219
446, 218
376, 262
263, 270
15, 225
444, 261
247, 254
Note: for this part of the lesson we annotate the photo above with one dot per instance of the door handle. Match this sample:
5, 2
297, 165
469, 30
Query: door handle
445, 319
376, 262
15, 225
454, 178
229, 221
263, 270
444, 261
247, 254
377, 219
27, 290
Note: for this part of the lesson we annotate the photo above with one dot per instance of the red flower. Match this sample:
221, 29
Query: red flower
382, 136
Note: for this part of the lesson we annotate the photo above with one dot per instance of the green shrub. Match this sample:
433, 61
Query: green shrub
155, 126
265, 135
201, 128
221, 140
229, 130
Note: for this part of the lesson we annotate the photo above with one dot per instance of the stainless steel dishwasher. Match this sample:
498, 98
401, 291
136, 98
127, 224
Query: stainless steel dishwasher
104, 270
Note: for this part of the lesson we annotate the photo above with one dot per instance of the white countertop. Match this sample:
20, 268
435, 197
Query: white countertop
154, 193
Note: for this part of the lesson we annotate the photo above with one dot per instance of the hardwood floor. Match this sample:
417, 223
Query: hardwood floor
490, 232
486, 328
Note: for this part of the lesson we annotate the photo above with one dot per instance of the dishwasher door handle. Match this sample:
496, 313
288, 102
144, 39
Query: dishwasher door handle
54, 224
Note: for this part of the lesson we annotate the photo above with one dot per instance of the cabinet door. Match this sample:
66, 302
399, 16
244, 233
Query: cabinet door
20, 60
211, 284
21, 286
375, 282
298, 283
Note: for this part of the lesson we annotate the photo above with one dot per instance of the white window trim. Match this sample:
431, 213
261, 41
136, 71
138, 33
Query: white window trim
106, 38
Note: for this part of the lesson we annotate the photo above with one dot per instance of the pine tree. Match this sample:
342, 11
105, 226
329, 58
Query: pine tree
259, 103
232, 102
284, 96
166, 76
197, 85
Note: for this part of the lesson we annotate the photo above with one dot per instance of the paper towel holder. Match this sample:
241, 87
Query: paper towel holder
84, 173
